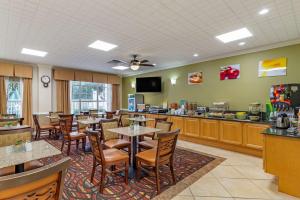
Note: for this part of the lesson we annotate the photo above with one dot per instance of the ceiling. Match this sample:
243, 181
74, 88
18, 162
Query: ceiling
166, 32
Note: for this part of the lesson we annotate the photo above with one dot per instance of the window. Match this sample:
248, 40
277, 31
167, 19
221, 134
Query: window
86, 96
14, 95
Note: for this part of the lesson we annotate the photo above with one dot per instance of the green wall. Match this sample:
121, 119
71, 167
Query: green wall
239, 93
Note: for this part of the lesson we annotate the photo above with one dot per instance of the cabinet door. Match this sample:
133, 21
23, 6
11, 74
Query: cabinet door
151, 123
231, 132
252, 135
209, 129
191, 127
178, 122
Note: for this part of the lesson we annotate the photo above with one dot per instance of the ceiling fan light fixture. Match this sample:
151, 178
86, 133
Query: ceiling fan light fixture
134, 67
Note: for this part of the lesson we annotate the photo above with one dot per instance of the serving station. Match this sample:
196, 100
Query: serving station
281, 158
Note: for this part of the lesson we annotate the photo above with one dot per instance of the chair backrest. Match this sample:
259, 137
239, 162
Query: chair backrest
164, 126
11, 137
81, 126
160, 119
36, 121
55, 116
96, 146
110, 115
66, 123
166, 146
108, 124
93, 113
124, 121
46, 182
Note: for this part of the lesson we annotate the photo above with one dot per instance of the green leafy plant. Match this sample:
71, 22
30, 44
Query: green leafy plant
19, 142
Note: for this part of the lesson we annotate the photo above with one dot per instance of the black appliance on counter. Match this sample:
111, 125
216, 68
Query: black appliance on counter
156, 110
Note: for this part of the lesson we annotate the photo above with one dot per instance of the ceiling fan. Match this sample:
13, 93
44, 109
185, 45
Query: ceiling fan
134, 64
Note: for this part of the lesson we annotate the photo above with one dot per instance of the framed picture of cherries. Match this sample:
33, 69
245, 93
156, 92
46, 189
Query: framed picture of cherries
230, 72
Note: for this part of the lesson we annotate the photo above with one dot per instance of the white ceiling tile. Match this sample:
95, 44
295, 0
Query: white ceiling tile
166, 32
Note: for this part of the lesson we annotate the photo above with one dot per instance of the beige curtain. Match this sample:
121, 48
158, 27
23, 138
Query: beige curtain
2, 96
115, 105
63, 96
27, 101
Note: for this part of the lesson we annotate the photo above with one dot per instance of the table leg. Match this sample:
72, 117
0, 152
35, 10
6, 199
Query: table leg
19, 168
88, 148
134, 151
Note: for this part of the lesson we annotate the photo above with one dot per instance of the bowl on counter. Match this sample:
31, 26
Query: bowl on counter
229, 115
241, 115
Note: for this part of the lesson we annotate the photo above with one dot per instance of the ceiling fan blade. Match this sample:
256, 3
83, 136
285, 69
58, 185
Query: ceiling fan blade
144, 61
117, 61
147, 65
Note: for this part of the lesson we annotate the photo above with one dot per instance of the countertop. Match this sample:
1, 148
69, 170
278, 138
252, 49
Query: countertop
280, 132
203, 117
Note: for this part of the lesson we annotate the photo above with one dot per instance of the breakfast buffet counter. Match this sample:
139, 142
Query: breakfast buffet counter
281, 158
236, 135
281, 132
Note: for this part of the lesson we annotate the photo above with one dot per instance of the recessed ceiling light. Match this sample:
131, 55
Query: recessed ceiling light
33, 52
235, 35
263, 11
195, 55
120, 67
103, 46
242, 43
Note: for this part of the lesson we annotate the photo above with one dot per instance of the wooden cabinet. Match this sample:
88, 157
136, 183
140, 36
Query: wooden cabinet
191, 127
231, 132
252, 136
209, 129
178, 122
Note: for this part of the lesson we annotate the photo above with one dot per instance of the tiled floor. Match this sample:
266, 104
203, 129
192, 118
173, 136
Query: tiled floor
239, 177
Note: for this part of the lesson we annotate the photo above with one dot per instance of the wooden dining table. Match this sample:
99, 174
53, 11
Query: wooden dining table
133, 132
90, 121
141, 120
17, 155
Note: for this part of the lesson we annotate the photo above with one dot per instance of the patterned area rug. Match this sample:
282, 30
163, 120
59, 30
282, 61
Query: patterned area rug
189, 166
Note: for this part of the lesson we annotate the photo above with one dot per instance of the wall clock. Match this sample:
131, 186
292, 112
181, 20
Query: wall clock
45, 80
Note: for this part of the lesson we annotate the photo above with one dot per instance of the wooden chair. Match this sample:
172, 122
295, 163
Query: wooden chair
93, 113
156, 157
113, 140
69, 136
41, 128
149, 144
123, 120
157, 119
108, 159
11, 138
81, 127
54, 117
43, 183
54, 121
110, 115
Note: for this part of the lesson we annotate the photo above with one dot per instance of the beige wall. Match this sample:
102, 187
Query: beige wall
239, 93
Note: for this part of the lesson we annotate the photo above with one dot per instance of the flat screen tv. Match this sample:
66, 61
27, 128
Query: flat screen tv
148, 84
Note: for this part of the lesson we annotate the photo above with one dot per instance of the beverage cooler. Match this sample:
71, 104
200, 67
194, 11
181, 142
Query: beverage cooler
133, 100
285, 97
